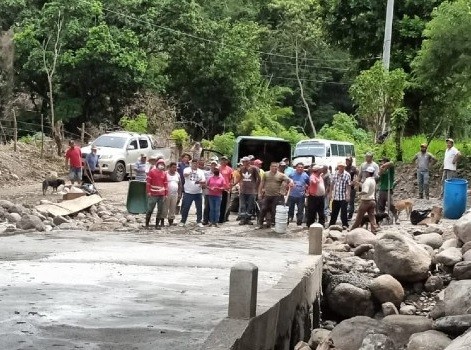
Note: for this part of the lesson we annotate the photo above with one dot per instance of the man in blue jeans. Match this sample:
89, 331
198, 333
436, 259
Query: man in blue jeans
194, 180
423, 160
248, 181
297, 194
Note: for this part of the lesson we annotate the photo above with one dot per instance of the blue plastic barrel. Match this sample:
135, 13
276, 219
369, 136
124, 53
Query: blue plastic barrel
454, 198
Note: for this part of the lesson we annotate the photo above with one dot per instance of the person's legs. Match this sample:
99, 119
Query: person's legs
425, 182
217, 209
300, 210
243, 208
166, 207
274, 201
370, 209
351, 203
291, 203
250, 207
263, 210
362, 209
223, 207
186, 204
321, 210
382, 199
151, 202
421, 183
207, 207
310, 210
198, 199
343, 213
335, 212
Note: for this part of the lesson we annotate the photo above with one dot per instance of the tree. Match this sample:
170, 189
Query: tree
377, 94
442, 67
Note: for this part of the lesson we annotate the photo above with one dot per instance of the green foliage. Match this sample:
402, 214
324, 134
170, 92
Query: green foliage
378, 93
443, 68
224, 143
180, 136
137, 124
344, 127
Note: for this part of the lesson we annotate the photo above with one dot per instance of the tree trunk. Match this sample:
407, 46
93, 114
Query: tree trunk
57, 134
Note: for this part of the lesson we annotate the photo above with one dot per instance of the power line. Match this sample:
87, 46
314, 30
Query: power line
302, 79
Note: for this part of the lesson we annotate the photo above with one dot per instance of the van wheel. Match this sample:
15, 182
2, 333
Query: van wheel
119, 172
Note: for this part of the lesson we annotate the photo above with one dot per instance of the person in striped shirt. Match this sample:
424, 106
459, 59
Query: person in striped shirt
340, 194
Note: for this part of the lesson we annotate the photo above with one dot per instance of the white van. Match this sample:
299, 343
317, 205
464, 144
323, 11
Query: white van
323, 152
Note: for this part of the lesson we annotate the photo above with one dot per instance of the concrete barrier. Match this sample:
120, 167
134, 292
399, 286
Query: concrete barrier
286, 313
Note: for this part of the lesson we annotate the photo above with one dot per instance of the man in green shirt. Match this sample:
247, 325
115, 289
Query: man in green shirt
386, 186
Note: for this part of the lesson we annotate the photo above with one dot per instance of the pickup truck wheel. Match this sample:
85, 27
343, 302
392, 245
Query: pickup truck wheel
119, 172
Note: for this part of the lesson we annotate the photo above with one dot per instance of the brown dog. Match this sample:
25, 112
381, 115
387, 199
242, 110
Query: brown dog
435, 216
405, 204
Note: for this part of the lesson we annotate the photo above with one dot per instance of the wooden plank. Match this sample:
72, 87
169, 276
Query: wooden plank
70, 206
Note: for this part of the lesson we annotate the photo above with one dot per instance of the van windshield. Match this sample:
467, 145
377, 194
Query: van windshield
309, 149
110, 141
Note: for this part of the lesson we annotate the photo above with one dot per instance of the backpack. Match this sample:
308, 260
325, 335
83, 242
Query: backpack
417, 216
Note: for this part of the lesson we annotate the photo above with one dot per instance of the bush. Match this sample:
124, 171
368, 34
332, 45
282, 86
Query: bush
137, 124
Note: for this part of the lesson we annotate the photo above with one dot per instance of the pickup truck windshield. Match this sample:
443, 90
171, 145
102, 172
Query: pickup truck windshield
110, 141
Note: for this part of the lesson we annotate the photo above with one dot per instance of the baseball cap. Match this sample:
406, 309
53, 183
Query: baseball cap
369, 154
451, 140
370, 169
257, 161
213, 162
341, 164
143, 155
316, 167
245, 159
285, 160
251, 157
161, 161
224, 158
423, 145
282, 164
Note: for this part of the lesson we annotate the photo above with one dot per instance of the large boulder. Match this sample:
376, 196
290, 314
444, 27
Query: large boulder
348, 300
433, 240
449, 256
408, 325
28, 222
454, 325
13, 217
462, 228
458, 298
462, 270
318, 335
461, 343
400, 256
360, 236
6, 204
467, 256
386, 288
466, 247
377, 342
449, 243
433, 283
428, 340
349, 334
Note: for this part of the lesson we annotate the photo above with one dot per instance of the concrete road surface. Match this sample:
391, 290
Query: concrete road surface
105, 290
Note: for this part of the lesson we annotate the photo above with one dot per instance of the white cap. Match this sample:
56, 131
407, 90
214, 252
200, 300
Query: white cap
370, 169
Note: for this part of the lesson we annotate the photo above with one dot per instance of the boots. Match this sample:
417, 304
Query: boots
147, 219
162, 224
170, 222
157, 224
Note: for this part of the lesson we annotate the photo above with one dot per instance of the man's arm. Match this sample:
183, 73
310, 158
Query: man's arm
457, 157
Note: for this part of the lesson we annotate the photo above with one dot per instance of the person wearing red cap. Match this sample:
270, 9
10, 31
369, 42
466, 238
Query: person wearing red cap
157, 191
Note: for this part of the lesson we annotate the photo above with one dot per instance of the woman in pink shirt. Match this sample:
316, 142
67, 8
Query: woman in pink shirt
216, 185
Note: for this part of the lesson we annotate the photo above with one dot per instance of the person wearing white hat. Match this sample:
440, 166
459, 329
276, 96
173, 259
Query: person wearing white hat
452, 156
140, 168
367, 201
340, 194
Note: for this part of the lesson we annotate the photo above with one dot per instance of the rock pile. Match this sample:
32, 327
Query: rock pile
405, 288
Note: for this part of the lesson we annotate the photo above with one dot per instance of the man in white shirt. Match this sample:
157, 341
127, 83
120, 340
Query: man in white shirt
194, 180
452, 156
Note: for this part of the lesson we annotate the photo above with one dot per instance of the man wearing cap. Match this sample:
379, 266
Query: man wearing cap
208, 173
315, 199
367, 163
194, 180
73, 160
258, 164
297, 194
352, 170
423, 161
157, 191
91, 165
367, 201
140, 168
226, 172
340, 194
452, 156
183, 164
270, 193
288, 170
386, 186
248, 187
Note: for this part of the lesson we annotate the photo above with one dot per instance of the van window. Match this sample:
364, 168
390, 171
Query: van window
143, 143
335, 150
349, 150
327, 153
342, 152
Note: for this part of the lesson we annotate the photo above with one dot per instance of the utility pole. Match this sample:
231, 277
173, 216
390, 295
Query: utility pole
388, 34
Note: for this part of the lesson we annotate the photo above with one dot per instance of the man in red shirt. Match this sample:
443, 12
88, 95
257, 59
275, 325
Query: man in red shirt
157, 191
226, 171
73, 159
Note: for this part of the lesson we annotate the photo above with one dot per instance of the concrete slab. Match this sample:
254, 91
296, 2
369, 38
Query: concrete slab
105, 290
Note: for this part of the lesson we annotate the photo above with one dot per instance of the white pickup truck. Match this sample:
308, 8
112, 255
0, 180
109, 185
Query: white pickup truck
118, 150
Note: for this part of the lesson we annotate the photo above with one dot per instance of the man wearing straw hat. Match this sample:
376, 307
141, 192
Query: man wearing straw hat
270, 193
424, 160
340, 194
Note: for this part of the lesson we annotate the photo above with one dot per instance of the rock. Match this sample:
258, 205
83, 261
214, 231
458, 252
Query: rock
433, 240
318, 335
389, 309
454, 325
458, 298
467, 256
68, 226
349, 334
438, 310
18, 208
15, 177
337, 235
407, 310
449, 243
28, 222
362, 248
369, 255
428, 340
466, 247
377, 342
449, 256
433, 228
386, 288
433, 283
6, 204
402, 257
102, 213
348, 300
81, 216
461, 343
13, 217
462, 270
360, 236
302, 346
58, 220
462, 228
409, 325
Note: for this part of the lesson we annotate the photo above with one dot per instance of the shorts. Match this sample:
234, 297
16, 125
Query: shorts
75, 174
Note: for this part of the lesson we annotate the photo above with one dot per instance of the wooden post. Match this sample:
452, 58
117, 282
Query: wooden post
42, 135
15, 131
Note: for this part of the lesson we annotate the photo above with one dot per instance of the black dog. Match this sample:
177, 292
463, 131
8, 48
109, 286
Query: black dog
53, 183
379, 218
